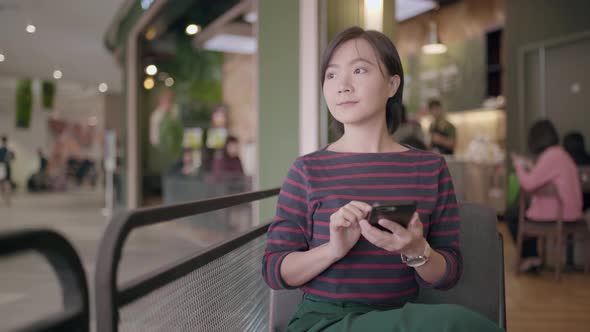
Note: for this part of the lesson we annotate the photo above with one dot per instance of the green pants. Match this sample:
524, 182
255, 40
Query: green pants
315, 314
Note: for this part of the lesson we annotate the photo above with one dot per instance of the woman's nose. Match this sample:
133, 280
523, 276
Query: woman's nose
344, 87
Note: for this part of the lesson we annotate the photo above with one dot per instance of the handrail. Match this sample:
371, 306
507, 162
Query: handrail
118, 230
66, 263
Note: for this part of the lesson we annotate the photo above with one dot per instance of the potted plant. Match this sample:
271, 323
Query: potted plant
24, 103
48, 94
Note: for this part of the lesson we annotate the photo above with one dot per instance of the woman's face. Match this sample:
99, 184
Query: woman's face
355, 88
232, 149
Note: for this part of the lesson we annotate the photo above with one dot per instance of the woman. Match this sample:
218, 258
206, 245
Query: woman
355, 276
227, 161
553, 166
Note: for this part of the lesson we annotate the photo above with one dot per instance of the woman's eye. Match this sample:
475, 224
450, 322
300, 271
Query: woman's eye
330, 76
360, 71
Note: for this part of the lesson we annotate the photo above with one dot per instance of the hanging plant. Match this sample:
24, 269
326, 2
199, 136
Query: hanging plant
171, 134
48, 92
24, 103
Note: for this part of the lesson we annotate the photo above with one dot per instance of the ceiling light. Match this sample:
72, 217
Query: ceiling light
374, 15
2, 57
231, 44
57, 74
103, 87
149, 83
406, 9
192, 29
434, 46
151, 70
251, 17
169, 82
31, 28
151, 33
146, 4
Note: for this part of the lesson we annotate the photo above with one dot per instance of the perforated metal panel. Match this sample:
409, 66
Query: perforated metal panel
227, 294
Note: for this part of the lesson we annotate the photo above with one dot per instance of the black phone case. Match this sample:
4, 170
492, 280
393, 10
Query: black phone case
401, 212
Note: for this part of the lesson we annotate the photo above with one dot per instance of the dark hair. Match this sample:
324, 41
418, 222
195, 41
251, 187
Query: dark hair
231, 139
403, 114
432, 103
542, 135
574, 142
4, 139
387, 54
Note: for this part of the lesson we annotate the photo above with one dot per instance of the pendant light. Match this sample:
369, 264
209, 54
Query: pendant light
433, 44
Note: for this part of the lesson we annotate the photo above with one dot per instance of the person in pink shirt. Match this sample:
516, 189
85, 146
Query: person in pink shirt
553, 166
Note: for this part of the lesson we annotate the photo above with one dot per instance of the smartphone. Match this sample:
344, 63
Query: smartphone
400, 212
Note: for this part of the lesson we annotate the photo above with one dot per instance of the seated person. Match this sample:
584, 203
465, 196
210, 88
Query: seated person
553, 166
409, 132
355, 276
227, 161
186, 166
573, 143
443, 134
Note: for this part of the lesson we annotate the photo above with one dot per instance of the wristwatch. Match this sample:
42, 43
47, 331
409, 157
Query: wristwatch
418, 260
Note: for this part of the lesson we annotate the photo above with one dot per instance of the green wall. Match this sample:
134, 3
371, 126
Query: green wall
278, 93
459, 75
530, 21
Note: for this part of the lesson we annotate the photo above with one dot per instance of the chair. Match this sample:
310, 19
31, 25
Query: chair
483, 274
556, 232
68, 270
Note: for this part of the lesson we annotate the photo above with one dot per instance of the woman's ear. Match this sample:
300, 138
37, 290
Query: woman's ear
394, 82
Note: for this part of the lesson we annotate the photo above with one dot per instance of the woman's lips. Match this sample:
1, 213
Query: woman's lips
347, 103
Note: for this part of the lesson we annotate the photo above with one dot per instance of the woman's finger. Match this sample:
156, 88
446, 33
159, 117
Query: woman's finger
366, 208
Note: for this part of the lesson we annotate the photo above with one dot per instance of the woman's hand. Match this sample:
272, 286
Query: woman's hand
409, 242
344, 227
521, 161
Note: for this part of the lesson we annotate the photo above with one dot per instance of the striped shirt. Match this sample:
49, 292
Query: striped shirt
318, 184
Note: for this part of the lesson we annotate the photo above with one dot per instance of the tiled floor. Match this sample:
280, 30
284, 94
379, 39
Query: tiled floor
28, 287
539, 303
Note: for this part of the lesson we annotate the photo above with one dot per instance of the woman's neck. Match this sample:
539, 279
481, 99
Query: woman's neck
361, 140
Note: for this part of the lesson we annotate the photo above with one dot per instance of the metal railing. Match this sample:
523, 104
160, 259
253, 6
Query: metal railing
110, 299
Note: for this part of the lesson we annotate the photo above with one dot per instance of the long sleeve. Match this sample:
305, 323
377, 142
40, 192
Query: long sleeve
443, 231
540, 174
288, 231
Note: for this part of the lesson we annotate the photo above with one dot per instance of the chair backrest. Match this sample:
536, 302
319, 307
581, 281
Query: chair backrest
67, 266
483, 267
483, 273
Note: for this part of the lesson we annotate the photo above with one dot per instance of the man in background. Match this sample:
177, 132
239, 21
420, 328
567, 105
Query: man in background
443, 134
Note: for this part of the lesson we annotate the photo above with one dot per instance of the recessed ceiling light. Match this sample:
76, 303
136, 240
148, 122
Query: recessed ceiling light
149, 83
31, 28
192, 29
169, 82
251, 17
2, 57
151, 70
57, 74
146, 4
151, 33
103, 87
